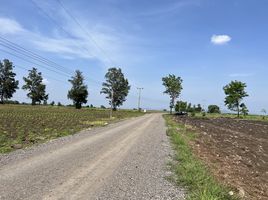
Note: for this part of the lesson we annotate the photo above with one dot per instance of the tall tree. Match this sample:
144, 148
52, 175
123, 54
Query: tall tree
173, 87
116, 87
34, 84
8, 84
78, 93
235, 92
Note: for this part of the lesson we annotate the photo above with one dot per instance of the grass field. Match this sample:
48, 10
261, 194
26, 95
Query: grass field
190, 171
24, 125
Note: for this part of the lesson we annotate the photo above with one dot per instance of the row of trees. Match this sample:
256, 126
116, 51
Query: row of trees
234, 91
115, 87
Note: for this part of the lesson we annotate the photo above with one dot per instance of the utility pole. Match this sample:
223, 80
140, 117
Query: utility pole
139, 101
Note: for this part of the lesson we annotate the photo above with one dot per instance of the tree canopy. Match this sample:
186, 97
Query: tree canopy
173, 87
8, 84
116, 87
235, 92
213, 109
78, 93
181, 106
34, 84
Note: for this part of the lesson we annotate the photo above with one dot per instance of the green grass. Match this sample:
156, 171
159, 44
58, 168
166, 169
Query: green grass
190, 172
24, 125
247, 117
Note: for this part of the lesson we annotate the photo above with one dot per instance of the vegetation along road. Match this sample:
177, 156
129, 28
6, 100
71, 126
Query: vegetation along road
125, 160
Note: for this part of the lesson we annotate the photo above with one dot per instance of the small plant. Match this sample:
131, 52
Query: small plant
264, 114
192, 113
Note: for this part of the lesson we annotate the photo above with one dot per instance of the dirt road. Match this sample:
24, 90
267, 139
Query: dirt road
126, 160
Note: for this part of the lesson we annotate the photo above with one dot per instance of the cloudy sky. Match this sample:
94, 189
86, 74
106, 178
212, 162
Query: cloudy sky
206, 42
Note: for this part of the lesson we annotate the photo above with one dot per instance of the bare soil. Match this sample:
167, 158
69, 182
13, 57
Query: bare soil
236, 151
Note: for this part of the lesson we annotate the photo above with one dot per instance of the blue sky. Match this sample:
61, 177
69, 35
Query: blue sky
206, 42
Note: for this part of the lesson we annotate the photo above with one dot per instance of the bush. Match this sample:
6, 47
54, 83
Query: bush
213, 109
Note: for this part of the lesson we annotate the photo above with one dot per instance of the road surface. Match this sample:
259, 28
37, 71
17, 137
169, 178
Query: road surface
125, 160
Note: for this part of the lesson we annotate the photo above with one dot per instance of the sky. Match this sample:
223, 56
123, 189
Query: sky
208, 43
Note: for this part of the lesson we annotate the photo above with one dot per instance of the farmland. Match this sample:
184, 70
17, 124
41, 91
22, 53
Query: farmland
22, 125
235, 150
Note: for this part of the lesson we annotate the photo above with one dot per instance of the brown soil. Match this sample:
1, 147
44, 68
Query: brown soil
236, 151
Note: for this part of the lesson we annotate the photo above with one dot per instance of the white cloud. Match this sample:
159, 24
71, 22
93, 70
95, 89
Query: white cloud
220, 39
10, 26
106, 42
45, 81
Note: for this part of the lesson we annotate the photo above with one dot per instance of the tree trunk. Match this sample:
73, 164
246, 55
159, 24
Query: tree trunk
33, 102
78, 105
238, 111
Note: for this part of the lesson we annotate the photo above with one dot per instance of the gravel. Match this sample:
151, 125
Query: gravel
125, 160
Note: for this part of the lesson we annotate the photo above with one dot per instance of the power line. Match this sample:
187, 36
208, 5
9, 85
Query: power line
45, 76
48, 61
31, 62
86, 32
57, 24
33, 58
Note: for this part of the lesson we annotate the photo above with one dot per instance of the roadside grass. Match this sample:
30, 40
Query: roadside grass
190, 172
24, 125
229, 115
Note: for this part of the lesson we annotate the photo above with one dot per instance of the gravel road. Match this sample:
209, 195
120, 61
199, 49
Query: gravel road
125, 160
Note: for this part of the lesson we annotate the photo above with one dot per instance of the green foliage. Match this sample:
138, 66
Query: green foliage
191, 172
244, 109
8, 84
198, 109
213, 109
116, 87
52, 103
34, 84
59, 104
235, 92
78, 93
181, 106
23, 125
173, 87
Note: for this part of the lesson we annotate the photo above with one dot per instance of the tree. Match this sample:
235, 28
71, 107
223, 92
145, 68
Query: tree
78, 93
189, 107
235, 92
8, 84
244, 109
116, 87
52, 103
198, 108
181, 106
264, 113
173, 87
213, 109
37, 89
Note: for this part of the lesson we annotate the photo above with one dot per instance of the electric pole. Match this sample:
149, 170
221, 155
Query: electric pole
139, 100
